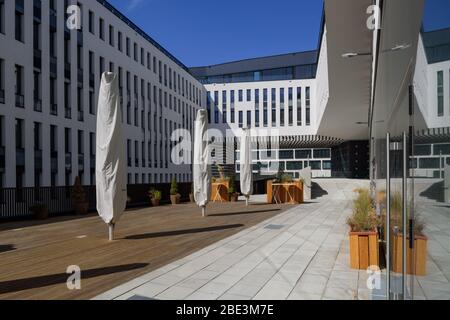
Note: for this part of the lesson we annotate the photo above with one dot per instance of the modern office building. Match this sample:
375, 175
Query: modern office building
49, 82
283, 97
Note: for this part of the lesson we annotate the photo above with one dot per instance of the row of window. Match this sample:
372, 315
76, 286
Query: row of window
289, 73
289, 154
145, 153
428, 149
289, 166
278, 98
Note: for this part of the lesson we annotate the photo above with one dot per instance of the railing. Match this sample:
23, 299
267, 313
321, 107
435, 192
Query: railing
53, 109
2, 96
15, 203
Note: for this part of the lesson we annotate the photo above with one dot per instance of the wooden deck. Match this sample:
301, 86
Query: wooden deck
34, 256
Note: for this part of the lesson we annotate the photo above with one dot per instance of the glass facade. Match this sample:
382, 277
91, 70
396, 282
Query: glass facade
288, 73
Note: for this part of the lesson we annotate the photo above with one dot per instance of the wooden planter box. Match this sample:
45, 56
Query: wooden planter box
219, 191
420, 255
291, 193
364, 250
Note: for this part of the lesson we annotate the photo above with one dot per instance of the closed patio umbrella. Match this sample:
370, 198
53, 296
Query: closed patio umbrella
201, 169
246, 165
110, 165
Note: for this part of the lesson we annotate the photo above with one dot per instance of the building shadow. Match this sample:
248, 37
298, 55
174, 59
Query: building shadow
182, 232
434, 192
61, 278
6, 248
317, 191
241, 213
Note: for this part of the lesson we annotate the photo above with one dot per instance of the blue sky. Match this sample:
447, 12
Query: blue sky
204, 32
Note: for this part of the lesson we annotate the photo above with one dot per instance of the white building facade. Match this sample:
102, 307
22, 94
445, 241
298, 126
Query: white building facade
49, 84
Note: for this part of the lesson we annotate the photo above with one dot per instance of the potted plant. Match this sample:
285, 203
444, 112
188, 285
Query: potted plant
420, 251
191, 194
40, 211
79, 200
232, 189
363, 223
175, 197
155, 197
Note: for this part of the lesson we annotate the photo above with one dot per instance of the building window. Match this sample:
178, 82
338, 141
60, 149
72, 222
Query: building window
290, 107
2, 81
274, 107
2, 18
91, 22
241, 95
111, 35
216, 107
440, 93
299, 106
101, 28
249, 95
308, 106
119, 41
249, 119
282, 111
19, 90
19, 27
127, 46
241, 119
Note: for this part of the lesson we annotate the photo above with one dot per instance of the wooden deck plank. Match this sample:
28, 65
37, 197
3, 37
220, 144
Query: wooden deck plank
147, 239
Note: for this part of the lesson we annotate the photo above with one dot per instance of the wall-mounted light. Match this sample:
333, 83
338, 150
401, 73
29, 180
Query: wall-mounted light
355, 54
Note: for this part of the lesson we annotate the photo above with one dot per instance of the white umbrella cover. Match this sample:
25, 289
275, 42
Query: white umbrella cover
201, 169
110, 165
246, 164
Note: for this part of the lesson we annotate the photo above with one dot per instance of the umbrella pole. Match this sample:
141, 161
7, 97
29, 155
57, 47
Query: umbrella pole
246, 200
203, 211
111, 231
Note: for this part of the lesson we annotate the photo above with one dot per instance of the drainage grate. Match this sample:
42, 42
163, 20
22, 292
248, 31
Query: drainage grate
136, 297
274, 227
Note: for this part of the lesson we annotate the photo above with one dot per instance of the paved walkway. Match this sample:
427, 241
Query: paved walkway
300, 254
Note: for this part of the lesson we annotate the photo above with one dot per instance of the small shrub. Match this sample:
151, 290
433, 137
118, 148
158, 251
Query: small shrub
232, 185
155, 194
174, 187
364, 217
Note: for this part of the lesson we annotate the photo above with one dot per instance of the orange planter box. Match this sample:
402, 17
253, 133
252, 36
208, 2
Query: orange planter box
219, 191
420, 255
285, 192
364, 250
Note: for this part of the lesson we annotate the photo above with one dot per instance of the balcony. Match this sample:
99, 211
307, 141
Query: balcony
38, 160
37, 59
2, 96
37, 104
20, 100
68, 112
20, 157
68, 161
53, 109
